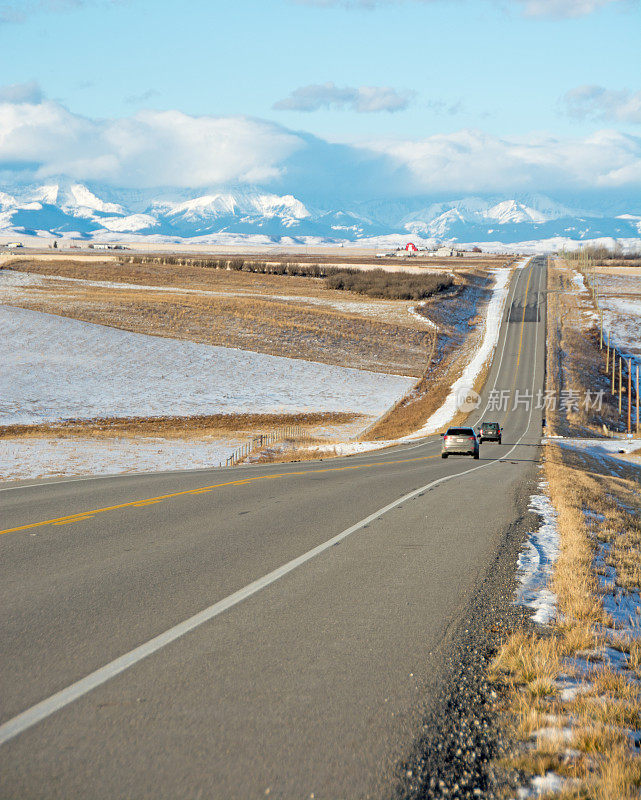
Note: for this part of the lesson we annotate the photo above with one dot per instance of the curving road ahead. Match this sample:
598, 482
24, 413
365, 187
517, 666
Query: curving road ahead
259, 631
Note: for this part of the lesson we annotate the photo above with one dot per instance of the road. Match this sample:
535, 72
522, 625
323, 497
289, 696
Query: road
262, 631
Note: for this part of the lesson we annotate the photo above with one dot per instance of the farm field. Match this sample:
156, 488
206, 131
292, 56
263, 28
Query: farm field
179, 342
275, 314
620, 296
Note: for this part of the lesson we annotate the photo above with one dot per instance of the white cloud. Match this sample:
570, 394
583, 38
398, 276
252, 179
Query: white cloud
150, 148
474, 161
529, 8
597, 102
364, 99
42, 140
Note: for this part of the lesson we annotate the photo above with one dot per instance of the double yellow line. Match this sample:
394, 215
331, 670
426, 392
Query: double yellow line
81, 516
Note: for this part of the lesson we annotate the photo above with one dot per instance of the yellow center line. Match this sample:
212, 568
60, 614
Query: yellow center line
80, 516
518, 355
527, 286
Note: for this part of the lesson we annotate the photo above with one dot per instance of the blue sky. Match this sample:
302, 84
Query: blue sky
518, 69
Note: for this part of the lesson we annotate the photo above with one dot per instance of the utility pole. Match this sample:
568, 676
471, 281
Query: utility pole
607, 358
629, 395
637, 420
614, 359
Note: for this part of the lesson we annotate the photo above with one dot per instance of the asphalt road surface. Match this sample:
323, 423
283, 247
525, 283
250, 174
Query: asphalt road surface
257, 631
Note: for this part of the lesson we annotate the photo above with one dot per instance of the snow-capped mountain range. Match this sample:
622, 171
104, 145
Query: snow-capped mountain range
74, 211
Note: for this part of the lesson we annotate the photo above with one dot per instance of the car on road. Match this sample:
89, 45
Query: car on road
460, 441
490, 432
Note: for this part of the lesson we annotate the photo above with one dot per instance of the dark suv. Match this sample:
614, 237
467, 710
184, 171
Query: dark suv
490, 432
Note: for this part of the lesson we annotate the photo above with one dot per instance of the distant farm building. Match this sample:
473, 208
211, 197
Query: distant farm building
448, 252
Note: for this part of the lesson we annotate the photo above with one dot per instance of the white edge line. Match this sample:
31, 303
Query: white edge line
57, 701
62, 698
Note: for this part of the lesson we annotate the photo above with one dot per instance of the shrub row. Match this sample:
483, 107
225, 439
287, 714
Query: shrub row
614, 256
373, 283
388, 285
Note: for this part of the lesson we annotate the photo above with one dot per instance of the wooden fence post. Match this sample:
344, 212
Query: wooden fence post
620, 383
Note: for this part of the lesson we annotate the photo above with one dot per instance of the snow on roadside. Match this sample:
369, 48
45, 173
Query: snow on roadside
537, 559
579, 282
22, 459
493, 316
60, 368
350, 448
602, 448
328, 450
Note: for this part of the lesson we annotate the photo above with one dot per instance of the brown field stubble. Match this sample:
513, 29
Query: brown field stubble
203, 426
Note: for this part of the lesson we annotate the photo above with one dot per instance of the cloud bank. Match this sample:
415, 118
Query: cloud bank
364, 99
150, 148
599, 103
41, 139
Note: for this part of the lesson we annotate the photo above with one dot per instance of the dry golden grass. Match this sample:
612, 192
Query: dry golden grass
204, 426
575, 582
530, 661
600, 761
163, 269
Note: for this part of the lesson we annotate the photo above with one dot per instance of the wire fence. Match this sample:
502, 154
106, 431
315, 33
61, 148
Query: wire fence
621, 367
293, 433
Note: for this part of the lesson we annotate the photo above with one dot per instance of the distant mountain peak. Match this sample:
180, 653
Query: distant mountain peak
72, 209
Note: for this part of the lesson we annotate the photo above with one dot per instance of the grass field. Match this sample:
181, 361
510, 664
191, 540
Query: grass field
277, 314
280, 315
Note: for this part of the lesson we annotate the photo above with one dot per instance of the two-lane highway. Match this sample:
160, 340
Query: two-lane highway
257, 631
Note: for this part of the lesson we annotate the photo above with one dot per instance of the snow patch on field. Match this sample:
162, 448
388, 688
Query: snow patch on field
622, 313
622, 318
22, 459
57, 368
